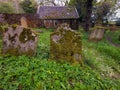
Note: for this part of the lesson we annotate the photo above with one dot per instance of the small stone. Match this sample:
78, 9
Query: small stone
23, 21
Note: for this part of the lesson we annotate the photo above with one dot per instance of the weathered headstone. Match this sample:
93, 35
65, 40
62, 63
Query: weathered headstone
18, 40
97, 35
66, 44
23, 21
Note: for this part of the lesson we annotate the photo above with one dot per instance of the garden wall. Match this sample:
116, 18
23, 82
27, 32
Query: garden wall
32, 19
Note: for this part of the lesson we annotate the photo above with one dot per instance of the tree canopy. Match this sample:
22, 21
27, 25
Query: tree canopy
29, 6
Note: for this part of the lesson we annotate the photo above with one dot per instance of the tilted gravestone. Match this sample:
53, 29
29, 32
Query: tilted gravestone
66, 44
97, 34
18, 40
23, 21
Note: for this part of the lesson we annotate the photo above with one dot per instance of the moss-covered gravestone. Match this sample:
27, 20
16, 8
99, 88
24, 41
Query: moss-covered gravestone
18, 40
66, 44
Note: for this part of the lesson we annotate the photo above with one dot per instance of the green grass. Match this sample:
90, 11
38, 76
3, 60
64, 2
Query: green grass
44, 45
36, 74
114, 36
102, 56
101, 65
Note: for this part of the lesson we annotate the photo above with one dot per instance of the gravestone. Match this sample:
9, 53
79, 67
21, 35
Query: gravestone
23, 21
97, 35
66, 44
18, 40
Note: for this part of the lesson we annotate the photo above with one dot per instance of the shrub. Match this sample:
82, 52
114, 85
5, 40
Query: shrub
28, 6
6, 7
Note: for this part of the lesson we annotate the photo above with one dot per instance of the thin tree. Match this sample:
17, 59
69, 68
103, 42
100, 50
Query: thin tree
89, 5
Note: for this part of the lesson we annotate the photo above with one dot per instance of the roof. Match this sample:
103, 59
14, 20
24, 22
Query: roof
57, 12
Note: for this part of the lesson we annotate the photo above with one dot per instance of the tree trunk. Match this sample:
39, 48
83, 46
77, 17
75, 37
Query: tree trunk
88, 14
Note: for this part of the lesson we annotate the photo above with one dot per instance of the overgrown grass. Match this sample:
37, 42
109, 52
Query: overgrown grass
39, 73
102, 56
44, 45
36, 74
114, 36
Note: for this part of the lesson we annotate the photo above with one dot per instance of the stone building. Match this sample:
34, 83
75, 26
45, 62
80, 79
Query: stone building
53, 16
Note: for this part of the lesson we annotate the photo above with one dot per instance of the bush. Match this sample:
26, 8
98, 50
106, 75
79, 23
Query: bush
28, 6
6, 8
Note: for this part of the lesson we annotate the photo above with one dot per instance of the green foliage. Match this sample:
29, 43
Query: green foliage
105, 9
6, 7
102, 56
28, 6
44, 45
80, 5
114, 36
39, 73
32, 73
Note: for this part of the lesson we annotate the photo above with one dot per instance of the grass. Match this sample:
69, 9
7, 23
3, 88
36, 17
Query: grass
114, 36
35, 74
102, 56
100, 70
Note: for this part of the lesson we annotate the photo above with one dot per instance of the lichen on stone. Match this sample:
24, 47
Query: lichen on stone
18, 40
66, 44
14, 26
26, 35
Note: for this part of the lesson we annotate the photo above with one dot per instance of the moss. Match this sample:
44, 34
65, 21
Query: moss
26, 35
30, 52
14, 26
99, 27
3, 28
12, 51
68, 48
16, 52
0, 27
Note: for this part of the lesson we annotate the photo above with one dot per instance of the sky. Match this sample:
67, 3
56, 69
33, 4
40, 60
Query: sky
117, 12
57, 1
